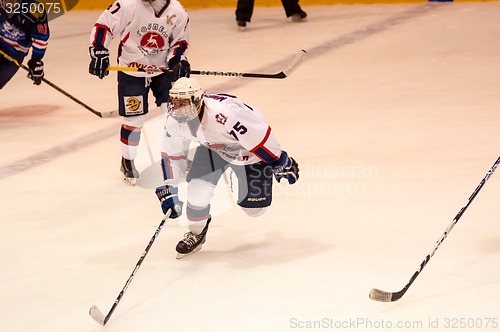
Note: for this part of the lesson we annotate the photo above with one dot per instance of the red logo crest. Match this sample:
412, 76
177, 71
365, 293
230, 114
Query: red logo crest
152, 40
220, 118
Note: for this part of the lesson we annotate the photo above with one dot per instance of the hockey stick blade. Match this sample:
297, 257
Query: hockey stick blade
299, 58
55, 87
110, 114
97, 315
381, 296
94, 312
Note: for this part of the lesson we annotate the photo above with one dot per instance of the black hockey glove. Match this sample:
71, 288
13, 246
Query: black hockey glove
179, 68
99, 61
169, 200
36, 71
286, 168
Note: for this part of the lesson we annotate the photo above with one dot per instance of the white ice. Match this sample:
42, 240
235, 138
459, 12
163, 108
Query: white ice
393, 118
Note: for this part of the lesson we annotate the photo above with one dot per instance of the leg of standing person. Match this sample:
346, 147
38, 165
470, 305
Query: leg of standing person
293, 10
244, 11
133, 107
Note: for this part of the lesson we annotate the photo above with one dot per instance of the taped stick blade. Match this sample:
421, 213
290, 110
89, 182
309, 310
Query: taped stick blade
97, 315
109, 114
380, 296
297, 61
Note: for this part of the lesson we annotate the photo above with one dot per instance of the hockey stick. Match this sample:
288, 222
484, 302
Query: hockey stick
99, 114
299, 58
382, 296
94, 310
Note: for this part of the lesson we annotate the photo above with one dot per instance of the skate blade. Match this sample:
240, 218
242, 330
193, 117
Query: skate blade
195, 250
129, 181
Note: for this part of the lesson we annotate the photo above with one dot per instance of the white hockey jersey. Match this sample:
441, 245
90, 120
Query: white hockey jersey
147, 39
236, 131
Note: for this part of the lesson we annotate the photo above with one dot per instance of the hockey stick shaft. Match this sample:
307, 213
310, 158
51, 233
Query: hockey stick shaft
52, 85
94, 311
382, 296
283, 74
198, 72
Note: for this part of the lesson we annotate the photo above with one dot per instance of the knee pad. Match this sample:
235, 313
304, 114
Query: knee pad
200, 192
254, 212
134, 121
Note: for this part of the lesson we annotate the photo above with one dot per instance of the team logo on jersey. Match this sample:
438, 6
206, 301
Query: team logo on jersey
152, 43
170, 19
42, 28
152, 38
133, 105
220, 118
11, 32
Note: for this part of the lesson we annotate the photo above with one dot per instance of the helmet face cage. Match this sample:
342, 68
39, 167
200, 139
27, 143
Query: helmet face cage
186, 99
184, 109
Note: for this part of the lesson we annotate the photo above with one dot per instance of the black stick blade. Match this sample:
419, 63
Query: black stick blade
97, 315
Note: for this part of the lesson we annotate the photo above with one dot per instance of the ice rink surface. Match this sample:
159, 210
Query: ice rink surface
393, 118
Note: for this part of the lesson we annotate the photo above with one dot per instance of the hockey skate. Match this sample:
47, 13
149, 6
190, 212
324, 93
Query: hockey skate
192, 242
129, 173
242, 25
299, 17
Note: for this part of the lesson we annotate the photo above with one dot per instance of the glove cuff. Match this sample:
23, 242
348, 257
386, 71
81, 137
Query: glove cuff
281, 163
173, 61
34, 62
164, 192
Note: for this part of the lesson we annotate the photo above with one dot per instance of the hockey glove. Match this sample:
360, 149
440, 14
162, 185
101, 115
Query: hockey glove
179, 68
169, 200
286, 168
36, 71
99, 61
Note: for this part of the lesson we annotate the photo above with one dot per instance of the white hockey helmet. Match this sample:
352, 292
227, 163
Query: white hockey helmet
186, 99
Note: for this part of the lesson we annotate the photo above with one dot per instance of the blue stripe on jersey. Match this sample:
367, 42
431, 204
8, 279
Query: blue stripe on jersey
100, 35
39, 52
262, 152
43, 37
166, 168
265, 155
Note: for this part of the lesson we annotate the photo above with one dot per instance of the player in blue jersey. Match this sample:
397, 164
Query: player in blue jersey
23, 26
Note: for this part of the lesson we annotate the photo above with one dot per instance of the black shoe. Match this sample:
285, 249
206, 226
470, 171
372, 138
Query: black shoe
192, 242
130, 174
242, 25
299, 17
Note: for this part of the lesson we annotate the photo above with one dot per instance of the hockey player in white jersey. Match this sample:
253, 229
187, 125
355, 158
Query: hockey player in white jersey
153, 34
231, 134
